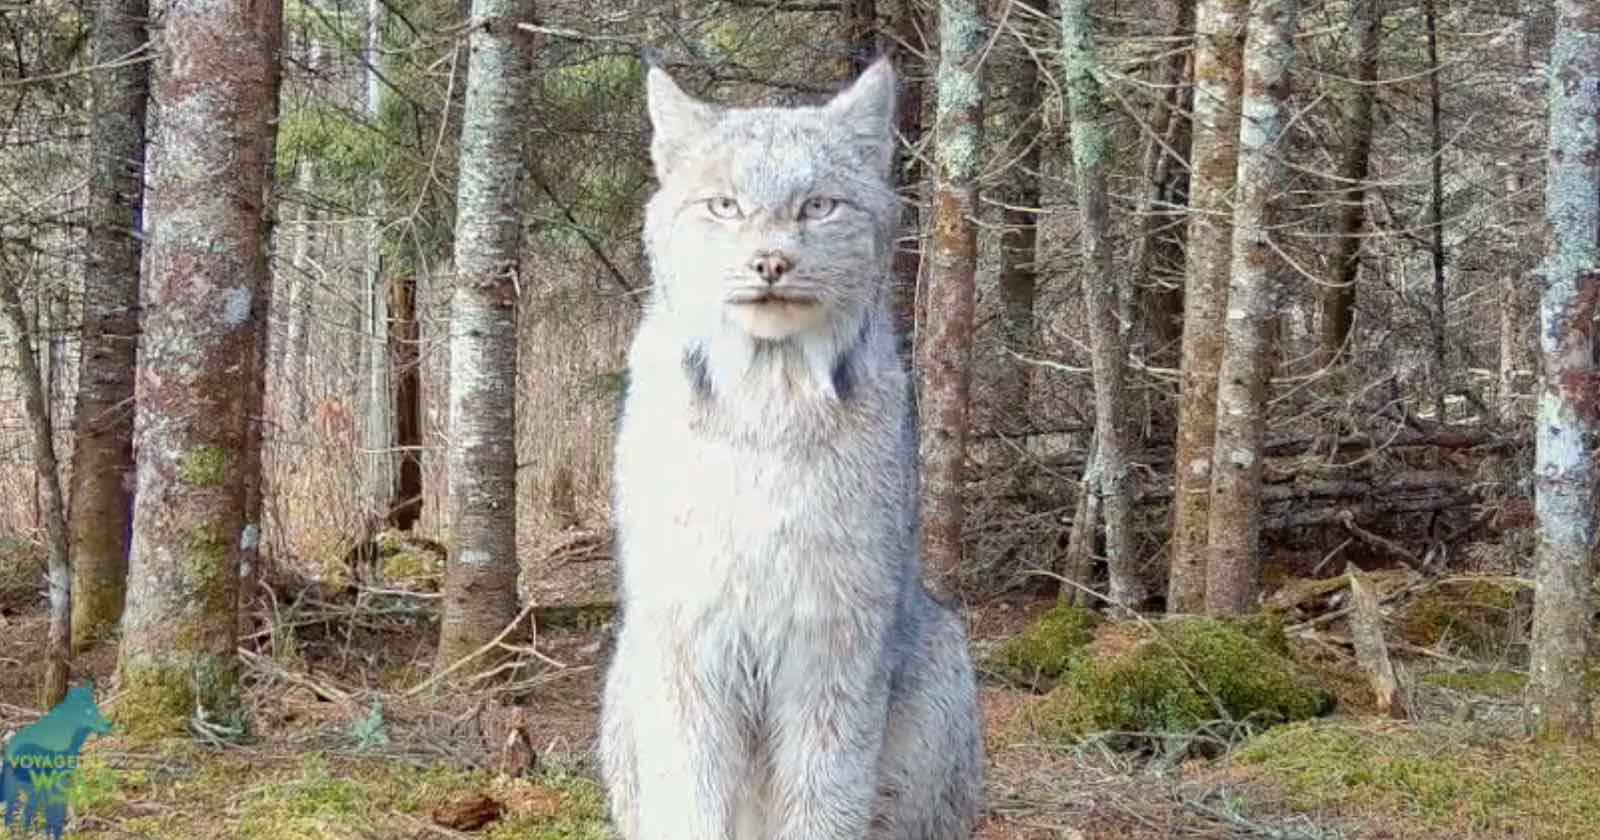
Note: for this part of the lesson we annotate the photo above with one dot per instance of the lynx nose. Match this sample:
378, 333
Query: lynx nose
771, 265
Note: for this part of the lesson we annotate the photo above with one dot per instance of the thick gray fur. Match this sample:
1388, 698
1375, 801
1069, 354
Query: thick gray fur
780, 671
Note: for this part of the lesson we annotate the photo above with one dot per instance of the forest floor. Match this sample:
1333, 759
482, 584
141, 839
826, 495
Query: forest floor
343, 745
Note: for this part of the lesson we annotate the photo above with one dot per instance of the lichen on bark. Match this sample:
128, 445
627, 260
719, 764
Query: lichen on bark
1219, 77
480, 595
945, 361
102, 466
1234, 523
1091, 159
1566, 469
217, 80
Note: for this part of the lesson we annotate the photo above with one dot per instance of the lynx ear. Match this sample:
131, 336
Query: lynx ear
866, 110
677, 119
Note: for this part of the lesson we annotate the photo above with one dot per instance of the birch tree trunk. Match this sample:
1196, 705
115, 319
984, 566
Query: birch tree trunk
102, 457
1233, 568
58, 649
481, 580
302, 290
1566, 470
1218, 78
946, 369
1339, 298
1091, 161
217, 82
378, 417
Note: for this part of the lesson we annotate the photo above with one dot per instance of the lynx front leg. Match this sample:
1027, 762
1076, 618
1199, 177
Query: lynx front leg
828, 723
674, 749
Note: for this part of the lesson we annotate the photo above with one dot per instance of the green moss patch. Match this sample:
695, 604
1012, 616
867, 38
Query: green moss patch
1467, 614
1504, 685
1196, 674
1045, 650
191, 791
204, 466
1442, 781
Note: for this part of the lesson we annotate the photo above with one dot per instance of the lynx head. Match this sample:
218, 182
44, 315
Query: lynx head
773, 221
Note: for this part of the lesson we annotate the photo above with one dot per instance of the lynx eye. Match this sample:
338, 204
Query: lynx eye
724, 207
818, 207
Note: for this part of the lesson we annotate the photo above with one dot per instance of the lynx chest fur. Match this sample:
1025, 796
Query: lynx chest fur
780, 671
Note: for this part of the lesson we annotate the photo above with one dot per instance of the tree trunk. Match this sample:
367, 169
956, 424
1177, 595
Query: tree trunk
405, 365
102, 456
58, 649
378, 417
1233, 568
297, 346
1339, 297
1092, 152
946, 368
1566, 476
481, 580
1018, 280
1441, 385
1158, 254
1218, 77
218, 84
906, 269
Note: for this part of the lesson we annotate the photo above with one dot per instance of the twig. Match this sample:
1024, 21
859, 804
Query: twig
488, 646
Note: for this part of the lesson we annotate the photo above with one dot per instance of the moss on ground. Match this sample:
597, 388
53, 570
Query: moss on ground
1046, 649
190, 791
1442, 781
1472, 615
1198, 672
1503, 685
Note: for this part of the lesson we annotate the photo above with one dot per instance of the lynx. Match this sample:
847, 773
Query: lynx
780, 671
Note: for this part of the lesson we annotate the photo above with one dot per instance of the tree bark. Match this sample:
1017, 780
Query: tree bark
946, 369
906, 269
58, 648
1339, 298
481, 579
1218, 78
218, 84
1092, 153
297, 346
1233, 568
1566, 472
102, 458
378, 438
405, 366
1436, 214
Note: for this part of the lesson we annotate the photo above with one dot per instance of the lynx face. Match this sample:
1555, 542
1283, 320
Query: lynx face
774, 221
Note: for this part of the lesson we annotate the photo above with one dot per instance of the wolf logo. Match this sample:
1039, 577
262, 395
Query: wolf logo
41, 759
